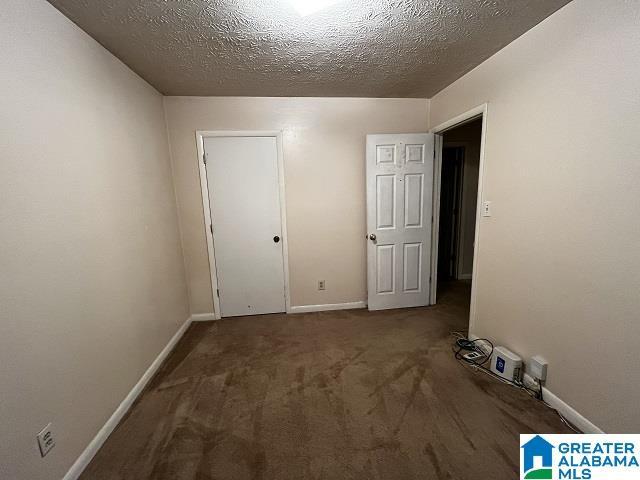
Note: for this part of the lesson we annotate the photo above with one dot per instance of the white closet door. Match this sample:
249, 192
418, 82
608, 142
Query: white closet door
244, 197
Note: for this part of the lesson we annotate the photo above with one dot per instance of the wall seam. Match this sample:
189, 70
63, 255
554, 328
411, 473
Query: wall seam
177, 204
428, 119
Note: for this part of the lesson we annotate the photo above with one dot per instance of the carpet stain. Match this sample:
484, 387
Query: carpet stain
330, 395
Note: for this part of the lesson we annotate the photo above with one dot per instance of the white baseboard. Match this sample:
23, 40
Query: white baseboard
204, 317
328, 307
85, 457
574, 417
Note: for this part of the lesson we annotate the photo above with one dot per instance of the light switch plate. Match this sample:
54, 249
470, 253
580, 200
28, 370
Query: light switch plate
486, 208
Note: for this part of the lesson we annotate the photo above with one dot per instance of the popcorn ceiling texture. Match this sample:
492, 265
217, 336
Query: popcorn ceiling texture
356, 48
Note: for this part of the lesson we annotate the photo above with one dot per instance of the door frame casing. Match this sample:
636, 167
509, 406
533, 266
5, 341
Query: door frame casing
458, 120
206, 208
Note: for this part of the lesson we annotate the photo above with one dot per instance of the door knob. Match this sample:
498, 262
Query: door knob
276, 239
373, 237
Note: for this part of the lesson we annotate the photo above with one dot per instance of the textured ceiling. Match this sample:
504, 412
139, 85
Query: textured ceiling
356, 48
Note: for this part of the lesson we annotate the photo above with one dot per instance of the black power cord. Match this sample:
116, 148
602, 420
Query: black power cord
464, 344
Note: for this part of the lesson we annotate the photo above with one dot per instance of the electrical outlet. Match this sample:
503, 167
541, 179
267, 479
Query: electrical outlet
321, 285
45, 440
538, 367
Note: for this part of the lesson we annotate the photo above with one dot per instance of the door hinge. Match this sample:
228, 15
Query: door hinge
211, 228
204, 158
218, 292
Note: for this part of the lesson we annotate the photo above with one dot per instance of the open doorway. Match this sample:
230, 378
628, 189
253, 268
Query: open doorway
457, 208
451, 193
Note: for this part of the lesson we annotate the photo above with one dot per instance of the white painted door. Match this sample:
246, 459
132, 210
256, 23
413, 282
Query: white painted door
244, 197
399, 225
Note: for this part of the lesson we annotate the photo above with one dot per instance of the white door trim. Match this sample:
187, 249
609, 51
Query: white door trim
439, 130
435, 222
204, 188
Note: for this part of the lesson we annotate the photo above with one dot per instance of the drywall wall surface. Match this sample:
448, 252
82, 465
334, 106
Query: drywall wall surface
559, 263
324, 162
467, 136
92, 285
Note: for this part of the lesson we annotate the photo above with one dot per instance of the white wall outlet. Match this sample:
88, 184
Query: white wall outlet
486, 208
538, 367
321, 285
45, 440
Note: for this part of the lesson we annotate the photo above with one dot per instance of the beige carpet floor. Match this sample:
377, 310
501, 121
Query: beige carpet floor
330, 395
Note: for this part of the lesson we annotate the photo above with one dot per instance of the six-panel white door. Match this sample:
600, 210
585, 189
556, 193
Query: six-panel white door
244, 197
399, 219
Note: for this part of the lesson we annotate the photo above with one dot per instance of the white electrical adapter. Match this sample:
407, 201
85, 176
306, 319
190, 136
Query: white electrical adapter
506, 364
538, 367
473, 356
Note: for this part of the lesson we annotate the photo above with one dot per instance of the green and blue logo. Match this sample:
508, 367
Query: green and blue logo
537, 459
580, 457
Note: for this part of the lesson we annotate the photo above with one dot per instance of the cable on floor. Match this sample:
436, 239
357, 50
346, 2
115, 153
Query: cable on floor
484, 347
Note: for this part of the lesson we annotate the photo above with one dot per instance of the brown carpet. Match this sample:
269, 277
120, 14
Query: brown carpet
330, 395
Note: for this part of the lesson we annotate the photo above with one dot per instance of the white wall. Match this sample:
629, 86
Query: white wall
92, 283
324, 157
92, 280
559, 262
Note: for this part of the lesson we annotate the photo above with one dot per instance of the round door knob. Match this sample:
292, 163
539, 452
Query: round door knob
373, 237
276, 239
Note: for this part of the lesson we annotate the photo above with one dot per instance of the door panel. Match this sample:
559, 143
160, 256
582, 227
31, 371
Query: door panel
385, 266
399, 208
415, 153
413, 200
244, 197
386, 201
412, 267
385, 154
